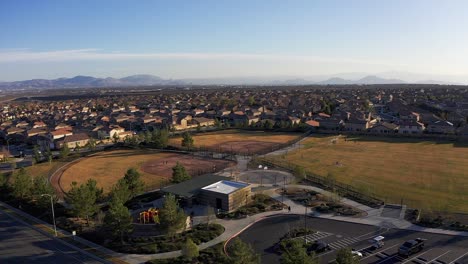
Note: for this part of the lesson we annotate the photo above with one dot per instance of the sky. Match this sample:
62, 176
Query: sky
210, 39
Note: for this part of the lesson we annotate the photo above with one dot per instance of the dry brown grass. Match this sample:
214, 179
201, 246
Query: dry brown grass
427, 175
108, 167
43, 169
236, 139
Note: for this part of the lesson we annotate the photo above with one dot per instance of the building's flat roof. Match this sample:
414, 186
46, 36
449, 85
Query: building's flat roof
225, 187
192, 187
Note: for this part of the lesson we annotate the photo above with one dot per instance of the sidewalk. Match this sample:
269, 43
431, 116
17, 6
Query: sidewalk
372, 218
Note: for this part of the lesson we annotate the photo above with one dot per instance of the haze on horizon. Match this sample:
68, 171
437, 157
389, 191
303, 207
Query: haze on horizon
212, 39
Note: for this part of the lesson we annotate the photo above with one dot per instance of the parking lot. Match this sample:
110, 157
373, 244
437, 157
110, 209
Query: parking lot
439, 249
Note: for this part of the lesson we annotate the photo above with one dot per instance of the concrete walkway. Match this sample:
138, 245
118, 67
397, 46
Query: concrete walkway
373, 216
235, 227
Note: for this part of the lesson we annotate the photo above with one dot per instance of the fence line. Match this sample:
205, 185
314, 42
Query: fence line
346, 190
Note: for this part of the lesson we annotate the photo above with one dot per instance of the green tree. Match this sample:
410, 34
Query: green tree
218, 123
148, 137
36, 154
83, 199
171, 216
91, 144
187, 140
179, 173
251, 100
300, 172
49, 154
268, 125
118, 220
345, 256
242, 253
22, 184
190, 249
163, 138
42, 186
297, 253
120, 192
135, 184
115, 138
65, 151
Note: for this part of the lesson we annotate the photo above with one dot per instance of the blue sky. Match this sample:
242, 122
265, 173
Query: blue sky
177, 39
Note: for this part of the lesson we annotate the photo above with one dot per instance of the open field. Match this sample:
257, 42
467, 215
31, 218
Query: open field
427, 175
246, 142
107, 167
44, 169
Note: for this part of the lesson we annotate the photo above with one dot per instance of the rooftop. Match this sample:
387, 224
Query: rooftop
192, 187
225, 187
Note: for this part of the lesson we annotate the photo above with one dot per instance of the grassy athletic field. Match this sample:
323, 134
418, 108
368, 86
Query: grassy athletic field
427, 175
108, 167
239, 141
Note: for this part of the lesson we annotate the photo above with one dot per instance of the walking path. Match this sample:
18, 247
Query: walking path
235, 227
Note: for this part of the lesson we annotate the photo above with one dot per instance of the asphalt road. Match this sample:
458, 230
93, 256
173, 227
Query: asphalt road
439, 249
20, 243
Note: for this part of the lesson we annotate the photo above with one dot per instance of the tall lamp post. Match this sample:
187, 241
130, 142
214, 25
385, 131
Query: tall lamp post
8, 145
305, 223
53, 212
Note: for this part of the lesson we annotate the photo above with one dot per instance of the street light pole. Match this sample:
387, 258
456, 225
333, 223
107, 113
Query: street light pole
8, 145
305, 223
53, 212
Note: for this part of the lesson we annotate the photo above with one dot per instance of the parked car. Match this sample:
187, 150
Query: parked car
411, 247
318, 247
356, 253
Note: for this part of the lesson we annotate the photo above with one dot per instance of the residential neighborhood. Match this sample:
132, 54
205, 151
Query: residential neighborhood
388, 110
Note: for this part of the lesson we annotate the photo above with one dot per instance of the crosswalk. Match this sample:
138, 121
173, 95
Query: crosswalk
315, 236
342, 243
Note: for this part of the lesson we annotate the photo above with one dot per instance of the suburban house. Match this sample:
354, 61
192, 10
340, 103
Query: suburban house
384, 128
356, 125
411, 127
441, 127
61, 133
109, 131
74, 141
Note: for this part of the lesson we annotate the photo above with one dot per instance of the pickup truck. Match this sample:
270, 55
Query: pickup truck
411, 247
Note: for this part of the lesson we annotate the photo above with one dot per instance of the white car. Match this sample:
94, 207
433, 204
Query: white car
356, 253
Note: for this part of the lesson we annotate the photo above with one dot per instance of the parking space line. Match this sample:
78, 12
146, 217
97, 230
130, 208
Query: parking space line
415, 257
378, 233
453, 261
375, 253
438, 256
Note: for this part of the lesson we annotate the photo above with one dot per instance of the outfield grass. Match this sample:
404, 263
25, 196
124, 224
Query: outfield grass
108, 167
217, 138
427, 175
44, 169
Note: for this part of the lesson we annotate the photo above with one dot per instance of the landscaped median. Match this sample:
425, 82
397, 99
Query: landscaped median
151, 245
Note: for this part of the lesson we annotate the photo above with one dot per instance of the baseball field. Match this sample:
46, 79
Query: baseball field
245, 142
155, 167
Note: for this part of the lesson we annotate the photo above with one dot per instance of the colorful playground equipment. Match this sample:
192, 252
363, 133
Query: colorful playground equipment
151, 216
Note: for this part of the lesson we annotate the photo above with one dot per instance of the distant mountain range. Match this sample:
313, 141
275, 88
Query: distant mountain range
151, 80
371, 79
88, 81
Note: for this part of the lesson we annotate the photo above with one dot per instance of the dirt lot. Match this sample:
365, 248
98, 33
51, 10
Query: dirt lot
245, 142
155, 167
